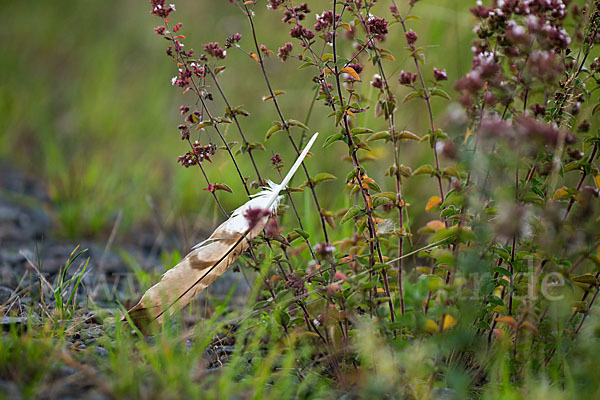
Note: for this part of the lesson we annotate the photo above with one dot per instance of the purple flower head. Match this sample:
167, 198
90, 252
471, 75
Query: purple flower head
530, 127
325, 20
213, 49
159, 8
407, 78
185, 131
324, 249
300, 32
187, 160
538, 110
377, 82
274, 4
233, 39
411, 37
439, 74
284, 51
297, 13
480, 11
378, 27
545, 65
276, 160
204, 152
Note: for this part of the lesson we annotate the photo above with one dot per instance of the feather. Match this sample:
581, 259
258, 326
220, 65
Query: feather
210, 259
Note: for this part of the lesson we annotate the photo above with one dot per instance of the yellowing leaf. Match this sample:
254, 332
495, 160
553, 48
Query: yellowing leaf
436, 225
597, 179
254, 56
560, 193
434, 201
529, 326
430, 326
588, 279
423, 270
380, 290
449, 322
346, 27
467, 134
350, 71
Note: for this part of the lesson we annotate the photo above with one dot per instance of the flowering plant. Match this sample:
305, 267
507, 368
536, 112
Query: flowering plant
501, 261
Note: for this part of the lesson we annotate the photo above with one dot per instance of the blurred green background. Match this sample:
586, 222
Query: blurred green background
87, 107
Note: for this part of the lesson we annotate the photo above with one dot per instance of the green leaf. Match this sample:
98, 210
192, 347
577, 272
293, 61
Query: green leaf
407, 135
434, 282
324, 176
275, 128
450, 171
353, 211
203, 124
333, 138
358, 131
391, 196
411, 96
293, 122
302, 233
306, 65
443, 256
378, 136
440, 93
423, 170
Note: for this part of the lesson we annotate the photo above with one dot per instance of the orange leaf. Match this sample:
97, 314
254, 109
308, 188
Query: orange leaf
507, 319
560, 193
248, 2
436, 225
254, 56
434, 201
350, 71
529, 326
467, 134
380, 290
